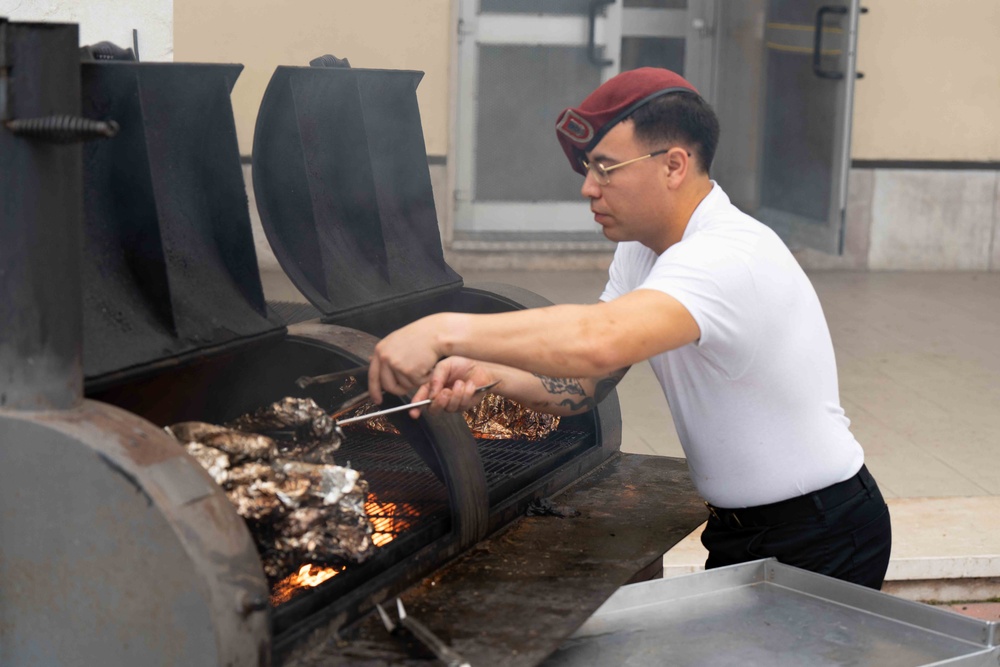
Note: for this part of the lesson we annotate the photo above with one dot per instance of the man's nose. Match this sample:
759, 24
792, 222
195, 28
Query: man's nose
591, 189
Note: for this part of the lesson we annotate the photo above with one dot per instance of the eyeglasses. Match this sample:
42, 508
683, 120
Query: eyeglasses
603, 174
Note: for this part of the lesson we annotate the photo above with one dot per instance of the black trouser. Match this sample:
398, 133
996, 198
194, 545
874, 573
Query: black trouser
842, 531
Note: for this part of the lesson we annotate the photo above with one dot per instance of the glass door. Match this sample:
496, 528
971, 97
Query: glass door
521, 62
785, 93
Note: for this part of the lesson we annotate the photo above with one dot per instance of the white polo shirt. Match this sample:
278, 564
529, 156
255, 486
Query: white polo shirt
755, 400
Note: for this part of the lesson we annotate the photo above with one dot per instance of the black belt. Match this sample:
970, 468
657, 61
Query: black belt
793, 509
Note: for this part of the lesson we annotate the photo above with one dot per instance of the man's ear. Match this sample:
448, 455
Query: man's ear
678, 162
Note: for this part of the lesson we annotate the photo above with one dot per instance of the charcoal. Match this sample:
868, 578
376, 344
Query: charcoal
299, 505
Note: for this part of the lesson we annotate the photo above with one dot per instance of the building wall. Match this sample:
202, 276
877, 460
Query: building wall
926, 139
930, 92
925, 193
932, 86
390, 34
262, 34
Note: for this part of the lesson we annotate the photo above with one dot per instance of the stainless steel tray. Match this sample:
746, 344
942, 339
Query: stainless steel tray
766, 613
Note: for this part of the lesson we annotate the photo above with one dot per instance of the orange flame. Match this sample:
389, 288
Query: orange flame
388, 519
308, 576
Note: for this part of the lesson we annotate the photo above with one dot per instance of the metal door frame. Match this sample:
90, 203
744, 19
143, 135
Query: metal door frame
799, 231
475, 29
562, 217
742, 174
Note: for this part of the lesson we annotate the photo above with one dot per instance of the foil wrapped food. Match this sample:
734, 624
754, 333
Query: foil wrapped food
299, 505
499, 418
494, 418
299, 416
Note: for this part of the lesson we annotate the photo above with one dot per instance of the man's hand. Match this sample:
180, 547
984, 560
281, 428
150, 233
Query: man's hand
453, 385
404, 359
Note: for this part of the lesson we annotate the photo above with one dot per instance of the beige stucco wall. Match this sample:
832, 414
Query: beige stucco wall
262, 34
931, 89
932, 84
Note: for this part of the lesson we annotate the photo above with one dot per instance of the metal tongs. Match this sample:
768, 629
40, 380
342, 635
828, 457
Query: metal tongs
444, 653
306, 381
399, 408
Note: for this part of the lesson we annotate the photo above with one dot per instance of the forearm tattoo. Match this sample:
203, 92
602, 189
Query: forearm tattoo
573, 387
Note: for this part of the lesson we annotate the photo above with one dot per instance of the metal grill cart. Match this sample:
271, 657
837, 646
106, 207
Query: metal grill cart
766, 613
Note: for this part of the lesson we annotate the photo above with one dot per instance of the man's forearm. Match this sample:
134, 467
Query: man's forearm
558, 341
570, 340
555, 341
558, 396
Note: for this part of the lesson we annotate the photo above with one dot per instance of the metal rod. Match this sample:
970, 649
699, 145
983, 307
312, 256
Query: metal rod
372, 415
444, 652
418, 404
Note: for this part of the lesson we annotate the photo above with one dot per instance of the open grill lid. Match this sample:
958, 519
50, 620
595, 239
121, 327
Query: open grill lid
343, 188
170, 270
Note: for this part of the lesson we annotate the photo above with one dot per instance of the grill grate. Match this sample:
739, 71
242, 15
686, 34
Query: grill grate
404, 494
381, 451
406, 498
505, 459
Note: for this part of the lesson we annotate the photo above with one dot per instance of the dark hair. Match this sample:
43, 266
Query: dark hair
679, 117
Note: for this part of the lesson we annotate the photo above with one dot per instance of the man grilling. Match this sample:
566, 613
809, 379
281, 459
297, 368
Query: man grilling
726, 317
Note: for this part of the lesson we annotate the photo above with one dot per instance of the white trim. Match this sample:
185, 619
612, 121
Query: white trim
540, 216
839, 205
535, 29
447, 216
699, 50
612, 47
465, 121
645, 22
477, 29
533, 246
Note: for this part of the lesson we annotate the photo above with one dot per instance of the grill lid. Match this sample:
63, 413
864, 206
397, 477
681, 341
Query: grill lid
170, 270
343, 188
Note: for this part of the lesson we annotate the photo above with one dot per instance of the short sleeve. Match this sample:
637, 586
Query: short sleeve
631, 263
716, 285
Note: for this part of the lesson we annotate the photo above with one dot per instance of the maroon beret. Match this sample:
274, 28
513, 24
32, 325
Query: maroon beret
580, 128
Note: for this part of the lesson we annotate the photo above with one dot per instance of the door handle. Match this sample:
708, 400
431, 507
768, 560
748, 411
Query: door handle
592, 54
818, 42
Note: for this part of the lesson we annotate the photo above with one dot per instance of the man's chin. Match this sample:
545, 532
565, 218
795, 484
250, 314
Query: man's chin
610, 233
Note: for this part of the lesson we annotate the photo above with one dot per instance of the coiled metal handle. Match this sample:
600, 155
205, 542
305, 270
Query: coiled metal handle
62, 129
